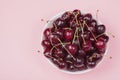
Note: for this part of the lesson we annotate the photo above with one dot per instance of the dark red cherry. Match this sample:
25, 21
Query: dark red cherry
54, 38
72, 48
100, 44
68, 34
66, 16
60, 53
81, 53
78, 62
47, 53
46, 43
100, 29
91, 64
47, 32
96, 56
59, 23
68, 58
93, 23
87, 46
102, 50
86, 35
104, 37
60, 33
76, 11
73, 24
62, 64
71, 67
92, 39
87, 17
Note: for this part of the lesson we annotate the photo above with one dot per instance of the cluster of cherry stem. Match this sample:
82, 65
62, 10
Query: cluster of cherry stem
76, 35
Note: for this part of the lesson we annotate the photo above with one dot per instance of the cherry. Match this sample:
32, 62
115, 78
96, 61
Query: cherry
47, 53
80, 18
62, 64
68, 34
73, 24
86, 35
76, 11
59, 23
47, 32
104, 37
72, 48
92, 39
100, 29
68, 58
66, 16
60, 53
81, 53
91, 64
78, 62
46, 43
87, 17
96, 56
100, 44
87, 46
60, 33
71, 67
54, 38
93, 23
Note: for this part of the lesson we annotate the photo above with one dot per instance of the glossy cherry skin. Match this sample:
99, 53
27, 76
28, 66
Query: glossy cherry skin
78, 62
47, 53
72, 48
68, 34
100, 29
60, 53
60, 33
87, 46
68, 58
104, 37
61, 64
87, 17
66, 16
54, 38
59, 23
81, 53
100, 44
46, 43
47, 32
91, 64
93, 23
71, 67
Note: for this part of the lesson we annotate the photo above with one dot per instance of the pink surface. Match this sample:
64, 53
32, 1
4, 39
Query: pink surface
20, 32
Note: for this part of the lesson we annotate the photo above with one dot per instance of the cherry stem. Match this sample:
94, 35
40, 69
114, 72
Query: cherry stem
99, 35
50, 37
65, 48
55, 26
90, 30
57, 45
67, 28
97, 14
74, 35
82, 26
78, 39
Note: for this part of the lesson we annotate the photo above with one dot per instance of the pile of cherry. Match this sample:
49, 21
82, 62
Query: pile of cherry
75, 42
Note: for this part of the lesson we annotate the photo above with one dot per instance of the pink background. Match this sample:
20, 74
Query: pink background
20, 32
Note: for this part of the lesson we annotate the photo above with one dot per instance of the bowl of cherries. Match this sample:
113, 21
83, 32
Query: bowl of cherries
74, 42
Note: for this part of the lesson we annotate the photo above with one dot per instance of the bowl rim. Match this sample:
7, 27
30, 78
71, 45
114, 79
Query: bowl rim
65, 71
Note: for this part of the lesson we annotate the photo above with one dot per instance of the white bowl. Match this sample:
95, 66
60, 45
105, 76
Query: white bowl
49, 24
